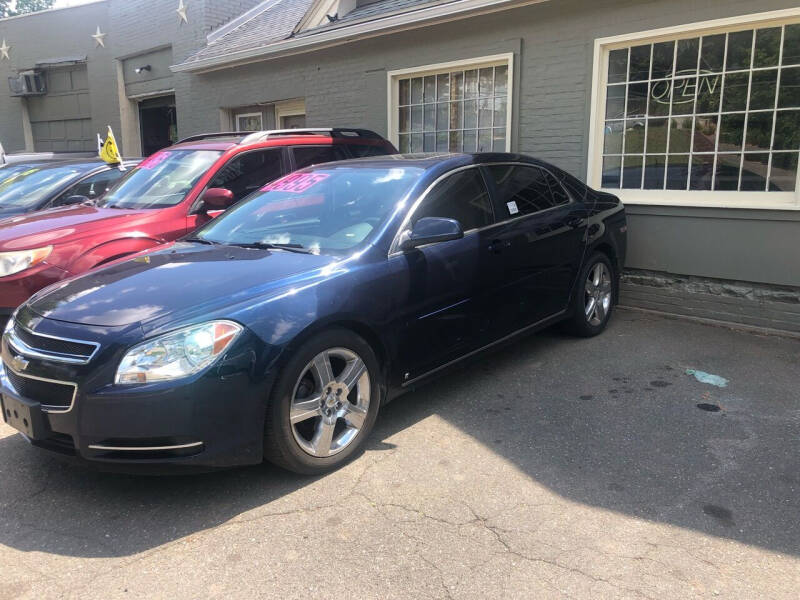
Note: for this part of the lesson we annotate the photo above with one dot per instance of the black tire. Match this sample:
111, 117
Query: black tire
280, 445
579, 323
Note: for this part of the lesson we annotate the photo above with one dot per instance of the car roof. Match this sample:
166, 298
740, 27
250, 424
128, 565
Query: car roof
430, 160
80, 163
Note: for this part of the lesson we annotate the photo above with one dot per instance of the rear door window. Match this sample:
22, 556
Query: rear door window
249, 171
305, 156
525, 190
462, 196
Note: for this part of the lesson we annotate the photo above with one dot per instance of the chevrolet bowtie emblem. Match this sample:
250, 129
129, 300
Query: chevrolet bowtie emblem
18, 363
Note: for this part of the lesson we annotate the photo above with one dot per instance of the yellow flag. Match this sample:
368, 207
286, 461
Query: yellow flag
109, 151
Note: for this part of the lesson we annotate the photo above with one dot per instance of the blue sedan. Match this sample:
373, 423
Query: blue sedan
279, 329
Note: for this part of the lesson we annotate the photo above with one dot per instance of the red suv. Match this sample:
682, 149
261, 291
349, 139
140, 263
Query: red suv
168, 195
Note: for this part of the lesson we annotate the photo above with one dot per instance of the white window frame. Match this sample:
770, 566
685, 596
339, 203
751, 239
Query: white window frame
697, 198
237, 116
393, 91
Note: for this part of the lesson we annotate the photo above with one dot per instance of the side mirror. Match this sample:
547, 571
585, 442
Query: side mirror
217, 199
70, 200
431, 230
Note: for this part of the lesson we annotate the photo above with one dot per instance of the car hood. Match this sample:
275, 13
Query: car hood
173, 282
58, 225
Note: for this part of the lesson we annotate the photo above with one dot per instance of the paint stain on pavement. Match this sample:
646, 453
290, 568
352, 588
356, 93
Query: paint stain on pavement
720, 513
708, 378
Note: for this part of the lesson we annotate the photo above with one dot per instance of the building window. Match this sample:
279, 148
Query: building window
249, 122
456, 107
291, 114
711, 112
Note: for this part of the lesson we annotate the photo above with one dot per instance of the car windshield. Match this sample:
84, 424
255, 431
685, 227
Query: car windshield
161, 180
14, 169
29, 185
323, 210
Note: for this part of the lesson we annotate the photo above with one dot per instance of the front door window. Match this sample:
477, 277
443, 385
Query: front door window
293, 122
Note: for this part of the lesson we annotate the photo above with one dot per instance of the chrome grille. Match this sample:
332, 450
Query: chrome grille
48, 347
54, 396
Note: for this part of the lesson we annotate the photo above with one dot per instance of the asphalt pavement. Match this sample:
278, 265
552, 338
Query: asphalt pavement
659, 460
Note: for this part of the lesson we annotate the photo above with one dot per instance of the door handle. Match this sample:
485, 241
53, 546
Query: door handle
496, 246
574, 222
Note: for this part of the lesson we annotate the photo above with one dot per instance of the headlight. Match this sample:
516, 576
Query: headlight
14, 262
177, 354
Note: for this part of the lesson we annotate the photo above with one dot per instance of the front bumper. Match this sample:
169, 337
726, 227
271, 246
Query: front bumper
213, 420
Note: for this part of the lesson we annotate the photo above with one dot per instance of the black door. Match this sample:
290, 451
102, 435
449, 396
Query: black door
159, 124
541, 236
446, 283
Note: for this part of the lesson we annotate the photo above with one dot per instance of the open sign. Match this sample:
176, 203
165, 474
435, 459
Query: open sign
684, 90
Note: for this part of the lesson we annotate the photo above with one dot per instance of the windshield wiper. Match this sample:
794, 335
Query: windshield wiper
200, 240
270, 246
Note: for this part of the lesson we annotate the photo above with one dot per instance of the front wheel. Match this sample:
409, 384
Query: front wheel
594, 299
324, 404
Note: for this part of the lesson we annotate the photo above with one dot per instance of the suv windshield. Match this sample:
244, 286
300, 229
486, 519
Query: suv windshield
323, 210
29, 185
161, 180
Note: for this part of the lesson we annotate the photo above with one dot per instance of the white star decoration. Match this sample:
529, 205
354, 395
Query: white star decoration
4, 50
99, 38
181, 10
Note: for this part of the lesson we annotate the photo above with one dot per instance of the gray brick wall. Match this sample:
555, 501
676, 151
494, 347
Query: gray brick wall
757, 305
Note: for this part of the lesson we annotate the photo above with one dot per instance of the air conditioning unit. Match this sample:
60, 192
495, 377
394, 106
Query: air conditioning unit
28, 83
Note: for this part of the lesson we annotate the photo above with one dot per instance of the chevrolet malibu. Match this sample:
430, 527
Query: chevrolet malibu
279, 329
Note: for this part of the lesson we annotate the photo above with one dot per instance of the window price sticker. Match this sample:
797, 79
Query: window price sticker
153, 161
512, 207
295, 183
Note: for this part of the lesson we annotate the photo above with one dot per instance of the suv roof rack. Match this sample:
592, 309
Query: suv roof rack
337, 132
219, 134
248, 137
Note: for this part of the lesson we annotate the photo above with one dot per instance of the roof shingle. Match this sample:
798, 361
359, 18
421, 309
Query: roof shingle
275, 22
278, 19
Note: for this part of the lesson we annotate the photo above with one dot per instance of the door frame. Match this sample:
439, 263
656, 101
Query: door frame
131, 126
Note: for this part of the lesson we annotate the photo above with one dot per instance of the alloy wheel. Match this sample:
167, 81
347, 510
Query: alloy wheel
330, 402
598, 294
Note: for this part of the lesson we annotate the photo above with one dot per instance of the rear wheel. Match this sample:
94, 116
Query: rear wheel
324, 404
594, 299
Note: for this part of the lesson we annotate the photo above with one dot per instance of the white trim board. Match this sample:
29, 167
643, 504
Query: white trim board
392, 78
602, 46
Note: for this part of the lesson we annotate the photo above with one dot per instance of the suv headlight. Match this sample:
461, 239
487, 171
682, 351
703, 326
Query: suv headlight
177, 354
14, 262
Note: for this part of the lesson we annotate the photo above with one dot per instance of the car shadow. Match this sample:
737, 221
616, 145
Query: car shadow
610, 422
